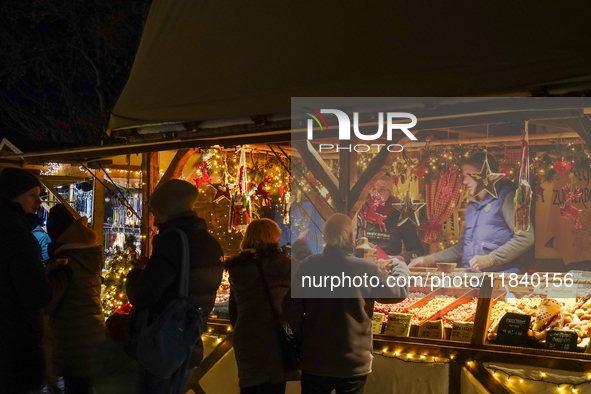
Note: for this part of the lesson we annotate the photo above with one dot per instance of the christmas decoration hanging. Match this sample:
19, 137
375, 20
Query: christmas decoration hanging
240, 209
562, 166
486, 180
420, 171
504, 169
221, 191
204, 177
447, 189
567, 209
261, 193
539, 189
522, 200
377, 211
408, 210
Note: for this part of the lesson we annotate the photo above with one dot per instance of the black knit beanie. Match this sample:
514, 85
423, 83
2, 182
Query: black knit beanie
14, 182
58, 220
477, 160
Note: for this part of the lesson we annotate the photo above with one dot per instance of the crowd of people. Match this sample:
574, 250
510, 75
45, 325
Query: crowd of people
52, 321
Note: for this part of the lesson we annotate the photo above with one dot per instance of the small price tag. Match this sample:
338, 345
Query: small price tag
562, 340
431, 329
398, 324
513, 329
377, 322
462, 331
566, 294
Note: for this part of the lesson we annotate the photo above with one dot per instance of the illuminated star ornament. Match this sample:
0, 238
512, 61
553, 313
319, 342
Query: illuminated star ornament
221, 192
408, 210
486, 180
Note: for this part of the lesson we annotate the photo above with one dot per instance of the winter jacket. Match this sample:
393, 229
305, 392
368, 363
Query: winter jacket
390, 239
337, 332
155, 286
255, 347
43, 240
24, 290
488, 230
79, 323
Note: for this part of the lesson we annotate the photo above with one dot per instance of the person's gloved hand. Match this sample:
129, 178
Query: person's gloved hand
422, 261
479, 263
397, 268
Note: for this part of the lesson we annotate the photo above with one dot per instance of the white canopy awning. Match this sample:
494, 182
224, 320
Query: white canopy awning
206, 60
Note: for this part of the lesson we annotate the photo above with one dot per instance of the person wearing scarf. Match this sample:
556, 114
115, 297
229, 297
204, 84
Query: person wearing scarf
24, 289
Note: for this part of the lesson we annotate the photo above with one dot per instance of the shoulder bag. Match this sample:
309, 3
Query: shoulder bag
167, 343
289, 346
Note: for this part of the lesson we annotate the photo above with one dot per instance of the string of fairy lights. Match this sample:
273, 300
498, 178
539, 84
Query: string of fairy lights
501, 375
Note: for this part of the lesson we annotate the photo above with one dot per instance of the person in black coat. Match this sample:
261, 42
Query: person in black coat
152, 284
378, 221
24, 289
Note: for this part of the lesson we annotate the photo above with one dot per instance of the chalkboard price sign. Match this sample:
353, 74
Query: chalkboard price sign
513, 329
562, 340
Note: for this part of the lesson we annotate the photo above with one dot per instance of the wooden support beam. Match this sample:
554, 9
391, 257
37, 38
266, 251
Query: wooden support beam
501, 139
482, 374
484, 305
319, 168
345, 167
582, 125
150, 172
177, 164
98, 204
208, 362
455, 377
378, 166
60, 198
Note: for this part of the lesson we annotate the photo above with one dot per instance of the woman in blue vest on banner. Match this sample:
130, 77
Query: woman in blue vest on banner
488, 243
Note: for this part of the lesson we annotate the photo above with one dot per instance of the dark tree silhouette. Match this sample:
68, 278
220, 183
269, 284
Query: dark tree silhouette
63, 64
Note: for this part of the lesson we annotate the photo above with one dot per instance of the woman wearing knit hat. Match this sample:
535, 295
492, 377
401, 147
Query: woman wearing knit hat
488, 242
78, 322
378, 221
153, 285
23, 285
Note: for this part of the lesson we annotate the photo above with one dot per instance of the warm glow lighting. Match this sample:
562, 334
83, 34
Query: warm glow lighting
409, 355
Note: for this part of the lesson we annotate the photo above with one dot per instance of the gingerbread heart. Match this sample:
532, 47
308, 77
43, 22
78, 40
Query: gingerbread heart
562, 166
420, 171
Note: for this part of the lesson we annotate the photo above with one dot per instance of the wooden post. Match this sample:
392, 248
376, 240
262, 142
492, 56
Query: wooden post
150, 172
53, 194
483, 308
98, 204
319, 169
345, 164
177, 164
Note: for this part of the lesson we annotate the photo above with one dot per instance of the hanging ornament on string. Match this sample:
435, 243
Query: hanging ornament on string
408, 210
539, 189
504, 169
562, 166
286, 194
522, 200
447, 190
202, 176
486, 179
261, 193
568, 210
223, 189
420, 171
240, 209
